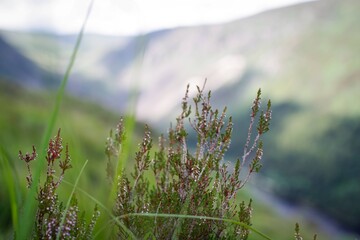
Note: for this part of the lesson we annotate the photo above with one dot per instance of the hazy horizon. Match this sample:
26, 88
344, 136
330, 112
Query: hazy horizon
128, 17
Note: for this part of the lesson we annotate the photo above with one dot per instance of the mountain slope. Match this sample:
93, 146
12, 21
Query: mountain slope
259, 49
281, 50
16, 67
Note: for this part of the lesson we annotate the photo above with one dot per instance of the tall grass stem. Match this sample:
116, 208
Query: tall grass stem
7, 173
29, 209
69, 201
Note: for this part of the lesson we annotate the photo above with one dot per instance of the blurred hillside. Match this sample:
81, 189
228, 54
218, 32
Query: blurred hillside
304, 57
288, 47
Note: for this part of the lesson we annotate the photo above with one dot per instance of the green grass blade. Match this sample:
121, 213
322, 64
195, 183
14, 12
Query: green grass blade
64, 81
114, 218
29, 209
180, 221
69, 200
130, 119
196, 217
8, 179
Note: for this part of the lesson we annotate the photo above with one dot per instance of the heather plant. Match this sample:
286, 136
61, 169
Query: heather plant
53, 220
194, 192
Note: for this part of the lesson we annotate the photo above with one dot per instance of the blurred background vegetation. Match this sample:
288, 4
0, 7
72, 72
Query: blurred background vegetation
305, 58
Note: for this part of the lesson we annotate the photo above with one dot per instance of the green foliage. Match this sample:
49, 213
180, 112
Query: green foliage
331, 160
189, 184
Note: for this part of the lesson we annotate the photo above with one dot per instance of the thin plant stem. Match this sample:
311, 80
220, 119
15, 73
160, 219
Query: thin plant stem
8, 177
29, 209
130, 119
100, 204
164, 215
69, 200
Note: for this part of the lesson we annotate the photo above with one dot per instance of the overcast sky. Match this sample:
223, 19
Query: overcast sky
124, 17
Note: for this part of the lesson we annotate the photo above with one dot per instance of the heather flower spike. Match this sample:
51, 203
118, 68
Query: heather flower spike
27, 159
50, 211
54, 149
113, 147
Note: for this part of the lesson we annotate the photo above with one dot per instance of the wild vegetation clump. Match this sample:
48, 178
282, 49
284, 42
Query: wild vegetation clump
175, 191
53, 220
194, 191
